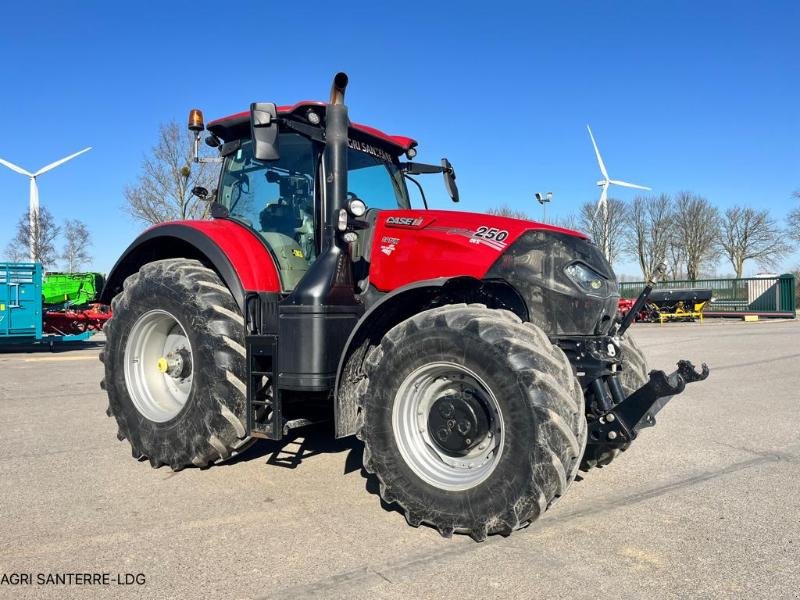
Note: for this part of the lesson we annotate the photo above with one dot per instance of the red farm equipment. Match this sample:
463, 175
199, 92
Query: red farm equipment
480, 359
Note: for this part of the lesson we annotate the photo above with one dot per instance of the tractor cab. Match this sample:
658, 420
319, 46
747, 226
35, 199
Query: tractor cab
282, 199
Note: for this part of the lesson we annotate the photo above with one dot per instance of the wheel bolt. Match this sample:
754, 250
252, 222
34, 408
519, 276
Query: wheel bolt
612, 435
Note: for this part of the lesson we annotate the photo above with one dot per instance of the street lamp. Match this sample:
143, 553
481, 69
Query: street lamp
543, 200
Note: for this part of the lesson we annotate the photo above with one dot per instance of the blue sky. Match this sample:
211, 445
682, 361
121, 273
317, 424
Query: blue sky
680, 95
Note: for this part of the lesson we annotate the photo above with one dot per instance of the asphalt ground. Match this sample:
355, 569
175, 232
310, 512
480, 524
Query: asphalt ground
706, 504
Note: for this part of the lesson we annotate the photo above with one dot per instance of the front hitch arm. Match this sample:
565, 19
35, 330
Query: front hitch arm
620, 425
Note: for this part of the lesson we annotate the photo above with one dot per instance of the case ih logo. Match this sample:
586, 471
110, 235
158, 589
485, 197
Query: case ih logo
407, 221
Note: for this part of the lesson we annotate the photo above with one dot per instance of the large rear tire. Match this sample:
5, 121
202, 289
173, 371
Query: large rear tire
633, 375
175, 366
471, 420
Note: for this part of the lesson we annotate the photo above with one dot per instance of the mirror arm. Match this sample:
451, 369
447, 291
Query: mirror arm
420, 168
313, 132
419, 187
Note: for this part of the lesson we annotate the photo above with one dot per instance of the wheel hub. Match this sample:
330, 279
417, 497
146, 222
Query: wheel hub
158, 366
458, 422
448, 426
176, 364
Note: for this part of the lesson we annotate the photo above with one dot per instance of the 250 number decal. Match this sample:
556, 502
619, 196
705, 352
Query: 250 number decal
491, 233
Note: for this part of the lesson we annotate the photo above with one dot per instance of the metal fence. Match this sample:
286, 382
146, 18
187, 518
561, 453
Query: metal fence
768, 296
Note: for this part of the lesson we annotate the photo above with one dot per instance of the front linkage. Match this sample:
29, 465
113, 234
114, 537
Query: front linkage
615, 419
618, 427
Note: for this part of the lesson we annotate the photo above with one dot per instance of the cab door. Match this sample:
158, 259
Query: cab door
277, 200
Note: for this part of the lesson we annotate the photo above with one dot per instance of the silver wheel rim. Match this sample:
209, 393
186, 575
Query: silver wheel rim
412, 405
158, 366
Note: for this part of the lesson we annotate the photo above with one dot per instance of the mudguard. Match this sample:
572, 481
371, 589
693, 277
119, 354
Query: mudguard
240, 258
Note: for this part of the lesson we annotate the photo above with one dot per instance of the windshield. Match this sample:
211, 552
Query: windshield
378, 183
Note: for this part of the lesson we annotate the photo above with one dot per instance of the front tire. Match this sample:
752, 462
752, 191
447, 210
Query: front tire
471, 420
175, 366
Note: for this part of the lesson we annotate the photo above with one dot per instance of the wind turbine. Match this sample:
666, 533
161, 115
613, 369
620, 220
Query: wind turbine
604, 183
33, 202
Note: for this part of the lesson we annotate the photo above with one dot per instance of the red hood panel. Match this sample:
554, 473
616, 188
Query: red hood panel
412, 245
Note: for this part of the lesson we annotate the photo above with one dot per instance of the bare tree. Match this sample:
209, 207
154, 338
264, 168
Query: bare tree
793, 220
650, 231
571, 221
76, 250
606, 228
163, 190
45, 232
676, 258
695, 231
504, 210
751, 234
15, 253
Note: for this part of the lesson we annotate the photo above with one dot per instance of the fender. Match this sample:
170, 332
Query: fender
402, 303
239, 257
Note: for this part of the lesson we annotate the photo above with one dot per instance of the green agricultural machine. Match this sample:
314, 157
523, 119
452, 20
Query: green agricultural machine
71, 289
48, 308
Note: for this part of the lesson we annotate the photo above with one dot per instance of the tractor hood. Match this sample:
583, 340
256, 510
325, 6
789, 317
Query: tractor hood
568, 286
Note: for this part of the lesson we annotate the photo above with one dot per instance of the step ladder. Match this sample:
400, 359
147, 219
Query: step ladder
264, 407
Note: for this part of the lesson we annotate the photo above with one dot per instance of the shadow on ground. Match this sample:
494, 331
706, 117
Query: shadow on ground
307, 443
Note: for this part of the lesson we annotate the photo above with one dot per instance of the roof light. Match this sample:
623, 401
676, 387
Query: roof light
196, 120
313, 117
411, 153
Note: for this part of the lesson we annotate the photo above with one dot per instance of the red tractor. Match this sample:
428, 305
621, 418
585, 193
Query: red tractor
478, 358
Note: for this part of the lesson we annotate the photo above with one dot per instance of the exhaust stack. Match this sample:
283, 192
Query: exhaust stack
329, 281
337, 89
335, 155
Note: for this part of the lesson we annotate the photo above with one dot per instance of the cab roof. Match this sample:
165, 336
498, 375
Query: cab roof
238, 125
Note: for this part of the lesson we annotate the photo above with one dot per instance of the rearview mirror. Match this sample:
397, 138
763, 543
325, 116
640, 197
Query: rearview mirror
450, 179
264, 130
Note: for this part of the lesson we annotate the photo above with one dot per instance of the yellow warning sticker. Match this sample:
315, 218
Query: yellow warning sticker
297, 253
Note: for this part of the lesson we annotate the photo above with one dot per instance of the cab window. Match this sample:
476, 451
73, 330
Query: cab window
276, 199
379, 184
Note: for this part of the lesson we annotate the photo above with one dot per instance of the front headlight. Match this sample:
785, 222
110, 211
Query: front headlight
587, 279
